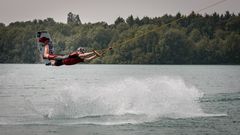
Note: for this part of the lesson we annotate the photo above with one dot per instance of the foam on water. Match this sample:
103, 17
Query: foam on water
149, 98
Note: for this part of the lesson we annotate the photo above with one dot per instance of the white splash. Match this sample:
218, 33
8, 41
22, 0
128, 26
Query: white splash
151, 97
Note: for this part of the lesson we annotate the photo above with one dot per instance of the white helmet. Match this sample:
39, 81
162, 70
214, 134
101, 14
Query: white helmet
80, 49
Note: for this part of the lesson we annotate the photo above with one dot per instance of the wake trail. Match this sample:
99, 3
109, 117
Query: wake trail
131, 100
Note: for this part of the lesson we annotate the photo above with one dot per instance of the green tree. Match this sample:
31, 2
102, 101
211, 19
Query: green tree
232, 48
130, 20
73, 19
176, 48
119, 20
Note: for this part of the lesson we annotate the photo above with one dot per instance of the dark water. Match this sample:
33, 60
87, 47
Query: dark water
119, 100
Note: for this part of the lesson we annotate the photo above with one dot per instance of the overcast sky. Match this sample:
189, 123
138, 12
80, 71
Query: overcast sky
105, 10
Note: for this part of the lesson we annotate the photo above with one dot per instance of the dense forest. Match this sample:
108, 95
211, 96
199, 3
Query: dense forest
170, 39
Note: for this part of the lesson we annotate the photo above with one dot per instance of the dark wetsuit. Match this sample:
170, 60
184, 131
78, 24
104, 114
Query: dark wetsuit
68, 61
72, 59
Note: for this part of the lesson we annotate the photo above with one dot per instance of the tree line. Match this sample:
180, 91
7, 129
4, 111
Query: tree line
169, 39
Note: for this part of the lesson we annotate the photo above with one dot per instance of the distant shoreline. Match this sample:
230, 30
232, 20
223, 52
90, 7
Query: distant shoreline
193, 39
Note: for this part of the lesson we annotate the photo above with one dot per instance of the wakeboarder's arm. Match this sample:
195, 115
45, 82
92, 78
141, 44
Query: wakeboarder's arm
46, 52
90, 58
46, 55
85, 55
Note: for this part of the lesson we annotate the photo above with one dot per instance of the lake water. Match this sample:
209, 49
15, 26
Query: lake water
119, 100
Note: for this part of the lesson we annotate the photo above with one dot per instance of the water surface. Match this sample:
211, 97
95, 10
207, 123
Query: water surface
119, 99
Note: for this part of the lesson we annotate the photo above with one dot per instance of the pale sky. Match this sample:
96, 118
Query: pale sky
105, 10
